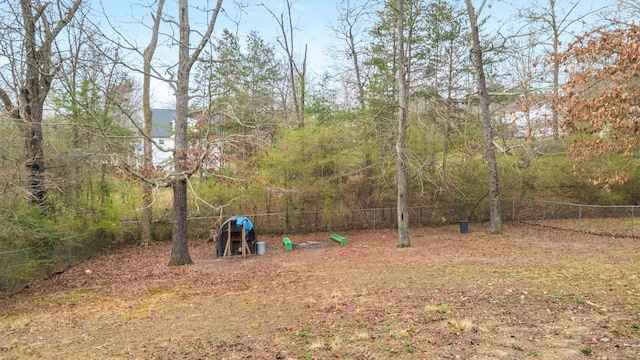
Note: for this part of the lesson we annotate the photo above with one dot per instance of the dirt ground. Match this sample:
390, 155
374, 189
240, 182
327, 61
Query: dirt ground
532, 292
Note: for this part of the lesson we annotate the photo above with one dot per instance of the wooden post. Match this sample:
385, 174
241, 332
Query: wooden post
244, 245
227, 248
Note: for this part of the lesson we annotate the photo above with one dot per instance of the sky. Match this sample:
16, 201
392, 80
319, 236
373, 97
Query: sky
311, 18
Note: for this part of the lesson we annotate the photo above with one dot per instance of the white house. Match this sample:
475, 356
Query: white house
162, 134
163, 144
535, 123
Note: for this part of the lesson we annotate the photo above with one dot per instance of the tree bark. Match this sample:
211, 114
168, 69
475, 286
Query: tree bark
490, 154
147, 161
31, 100
403, 213
356, 67
555, 116
39, 72
179, 248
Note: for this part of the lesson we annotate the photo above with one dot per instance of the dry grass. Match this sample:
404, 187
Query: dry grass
533, 291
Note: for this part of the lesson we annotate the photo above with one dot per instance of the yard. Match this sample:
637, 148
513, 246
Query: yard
533, 292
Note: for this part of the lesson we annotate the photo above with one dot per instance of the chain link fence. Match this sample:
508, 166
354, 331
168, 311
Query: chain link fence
602, 220
295, 222
19, 267
617, 221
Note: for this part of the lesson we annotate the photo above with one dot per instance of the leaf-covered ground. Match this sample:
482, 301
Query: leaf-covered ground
532, 292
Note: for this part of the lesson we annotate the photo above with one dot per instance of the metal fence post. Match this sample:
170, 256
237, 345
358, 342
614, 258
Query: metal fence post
374, 219
69, 263
633, 208
579, 218
17, 283
284, 221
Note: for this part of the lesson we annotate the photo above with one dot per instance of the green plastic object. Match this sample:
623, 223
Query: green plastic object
287, 243
341, 239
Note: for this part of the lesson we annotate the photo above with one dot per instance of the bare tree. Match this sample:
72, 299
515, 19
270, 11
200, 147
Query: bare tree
401, 143
626, 12
490, 154
147, 161
349, 30
41, 24
88, 97
189, 157
186, 60
297, 77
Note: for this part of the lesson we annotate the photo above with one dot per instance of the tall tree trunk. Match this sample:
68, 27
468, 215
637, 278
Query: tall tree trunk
303, 87
490, 154
403, 212
447, 122
555, 116
32, 96
147, 161
39, 35
356, 67
179, 248
34, 151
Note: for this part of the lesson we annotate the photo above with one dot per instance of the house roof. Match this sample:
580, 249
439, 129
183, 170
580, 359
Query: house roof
163, 122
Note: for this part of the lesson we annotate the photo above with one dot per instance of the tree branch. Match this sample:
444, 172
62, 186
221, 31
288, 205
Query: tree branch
207, 35
13, 111
46, 43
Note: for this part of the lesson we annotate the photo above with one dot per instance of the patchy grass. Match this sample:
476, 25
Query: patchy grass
530, 292
442, 308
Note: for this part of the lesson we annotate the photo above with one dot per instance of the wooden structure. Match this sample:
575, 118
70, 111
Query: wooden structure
244, 247
235, 240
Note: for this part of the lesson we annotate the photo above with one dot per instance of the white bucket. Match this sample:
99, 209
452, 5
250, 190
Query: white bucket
260, 248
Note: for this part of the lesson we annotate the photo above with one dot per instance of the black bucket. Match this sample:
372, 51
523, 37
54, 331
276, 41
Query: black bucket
464, 226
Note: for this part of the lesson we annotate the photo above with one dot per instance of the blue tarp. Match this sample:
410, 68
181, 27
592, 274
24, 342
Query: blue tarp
247, 225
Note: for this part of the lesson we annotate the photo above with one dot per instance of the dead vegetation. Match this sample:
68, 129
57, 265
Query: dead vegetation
532, 292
